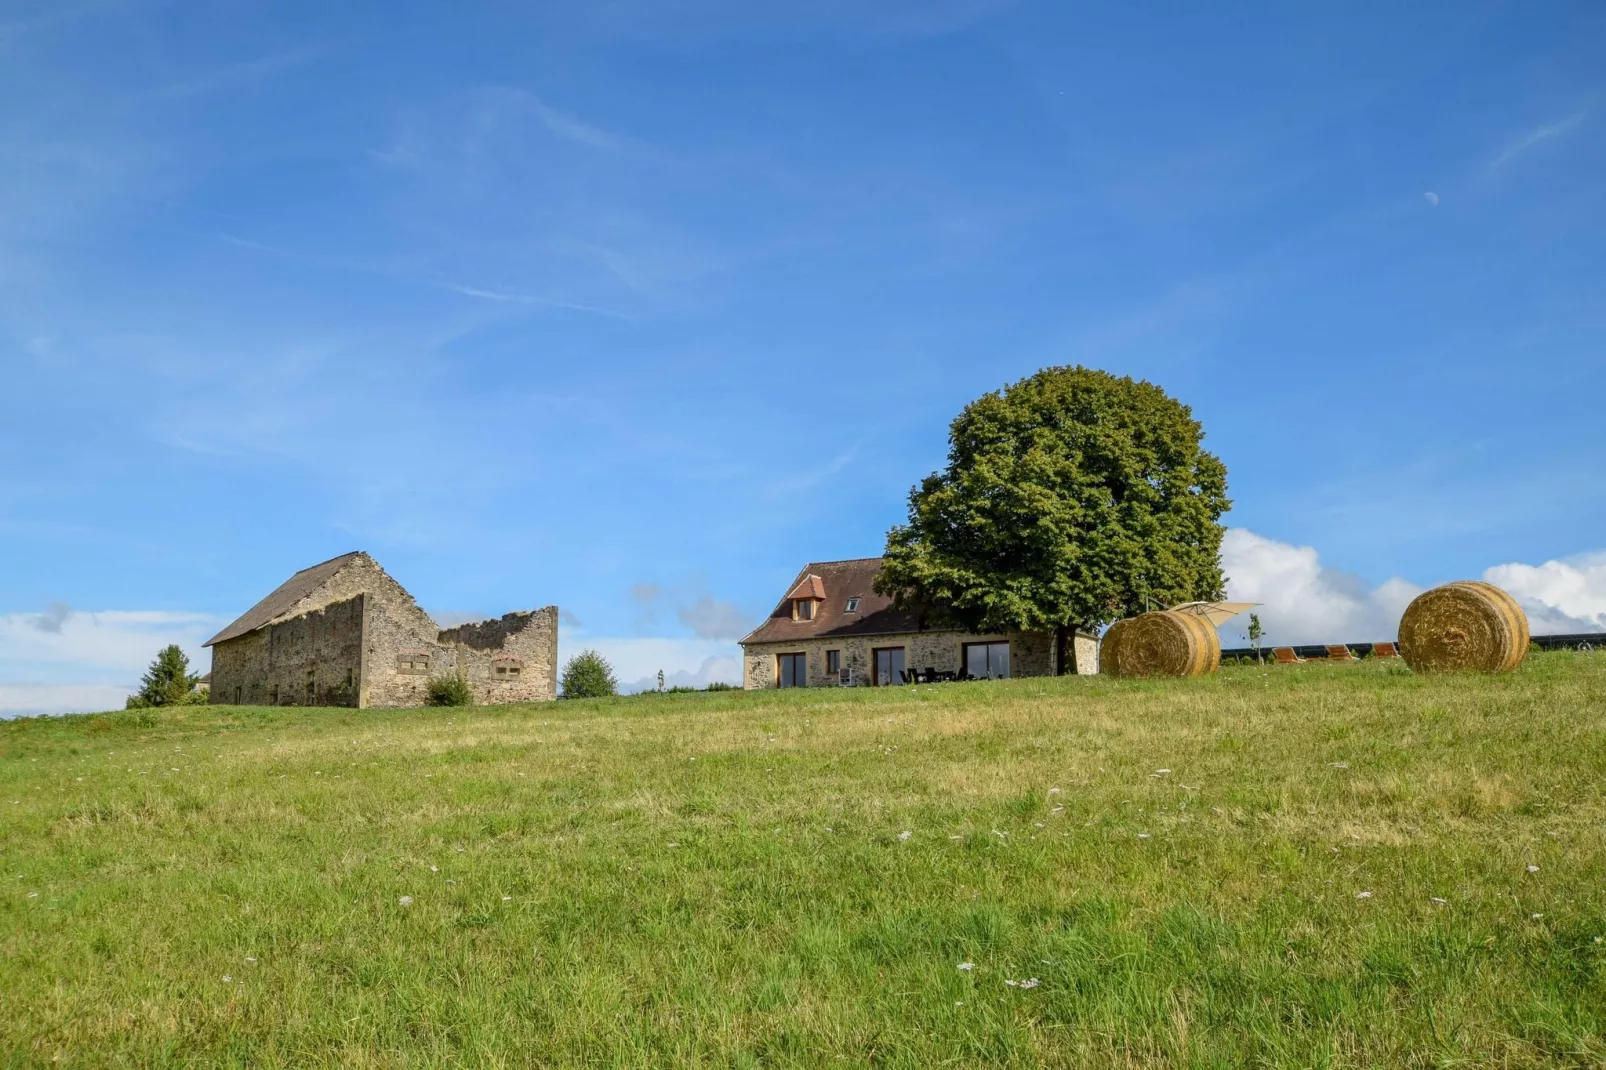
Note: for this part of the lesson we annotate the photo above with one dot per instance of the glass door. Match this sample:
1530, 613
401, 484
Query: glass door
794, 670
889, 667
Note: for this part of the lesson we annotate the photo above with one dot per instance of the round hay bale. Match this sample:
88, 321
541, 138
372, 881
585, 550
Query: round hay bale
1162, 643
1466, 626
1110, 649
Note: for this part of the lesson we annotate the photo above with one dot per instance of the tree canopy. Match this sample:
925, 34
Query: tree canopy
1070, 499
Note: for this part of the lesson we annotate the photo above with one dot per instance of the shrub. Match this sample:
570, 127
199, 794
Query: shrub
588, 675
449, 689
720, 685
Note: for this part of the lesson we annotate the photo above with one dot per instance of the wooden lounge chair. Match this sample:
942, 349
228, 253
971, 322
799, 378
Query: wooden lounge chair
1284, 655
1339, 652
1385, 650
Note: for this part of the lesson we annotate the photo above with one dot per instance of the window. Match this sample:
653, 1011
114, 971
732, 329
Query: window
853, 606
987, 661
412, 663
889, 666
506, 667
794, 670
805, 609
833, 661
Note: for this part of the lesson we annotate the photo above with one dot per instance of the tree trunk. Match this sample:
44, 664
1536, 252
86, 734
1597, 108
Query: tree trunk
1059, 649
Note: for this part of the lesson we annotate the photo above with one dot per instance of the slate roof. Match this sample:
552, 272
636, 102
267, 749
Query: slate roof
283, 598
840, 581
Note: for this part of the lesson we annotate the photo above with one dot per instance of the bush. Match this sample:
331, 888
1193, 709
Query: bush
720, 685
588, 675
450, 689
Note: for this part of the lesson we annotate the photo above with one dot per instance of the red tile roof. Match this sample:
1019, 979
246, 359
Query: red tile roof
810, 586
838, 582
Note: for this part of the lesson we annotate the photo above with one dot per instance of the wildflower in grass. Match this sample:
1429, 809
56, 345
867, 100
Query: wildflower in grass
507, 899
967, 966
250, 958
406, 900
1053, 791
1535, 917
1161, 772
1030, 982
1533, 869
1363, 895
1143, 835
434, 869
956, 837
1441, 902
904, 835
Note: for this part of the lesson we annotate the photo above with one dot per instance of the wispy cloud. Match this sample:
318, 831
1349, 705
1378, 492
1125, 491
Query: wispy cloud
58, 14
1537, 135
573, 128
507, 297
234, 75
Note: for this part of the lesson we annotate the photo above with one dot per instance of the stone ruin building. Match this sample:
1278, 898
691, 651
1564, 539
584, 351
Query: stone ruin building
344, 633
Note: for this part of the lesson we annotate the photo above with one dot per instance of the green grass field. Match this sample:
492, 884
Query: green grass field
1311, 866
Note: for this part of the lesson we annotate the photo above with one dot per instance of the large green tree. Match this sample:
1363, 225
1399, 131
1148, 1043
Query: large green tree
1070, 499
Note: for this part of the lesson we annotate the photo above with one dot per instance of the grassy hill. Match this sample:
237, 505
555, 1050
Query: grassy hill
1320, 865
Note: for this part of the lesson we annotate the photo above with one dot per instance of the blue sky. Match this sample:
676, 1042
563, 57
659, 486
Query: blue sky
636, 307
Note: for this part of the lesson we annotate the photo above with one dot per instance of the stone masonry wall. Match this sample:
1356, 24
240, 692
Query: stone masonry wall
311, 660
1030, 654
240, 670
512, 659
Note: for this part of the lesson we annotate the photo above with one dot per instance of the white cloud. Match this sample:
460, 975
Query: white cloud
89, 661
1304, 601
1559, 596
1432, 198
21, 700
636, 661
1307, 602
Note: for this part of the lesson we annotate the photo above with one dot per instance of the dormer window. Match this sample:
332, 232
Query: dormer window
806, 597
853, 606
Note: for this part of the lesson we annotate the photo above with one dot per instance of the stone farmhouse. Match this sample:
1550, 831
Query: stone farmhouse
833, 630
344, 633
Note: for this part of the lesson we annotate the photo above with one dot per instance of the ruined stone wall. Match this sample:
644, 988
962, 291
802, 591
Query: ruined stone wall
510, 659
360, 639
400, 653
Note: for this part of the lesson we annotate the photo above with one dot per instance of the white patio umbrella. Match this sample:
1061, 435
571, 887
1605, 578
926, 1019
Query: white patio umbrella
1217, 613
